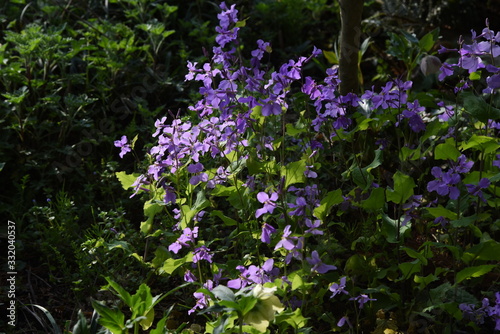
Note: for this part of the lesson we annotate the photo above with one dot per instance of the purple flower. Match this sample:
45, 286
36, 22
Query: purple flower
313, 226
188, 236
444, 183
254, 274
448, 112
286, 241
202, 299
123, 144
267, 230
202, 253
476, 190
362, 300
446, 70
344, 320
189, 277
300, 207
462, 165
496, 162
269, 203
318, 265
337, 288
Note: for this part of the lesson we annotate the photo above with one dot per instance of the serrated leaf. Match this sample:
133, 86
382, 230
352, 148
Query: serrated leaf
126, 179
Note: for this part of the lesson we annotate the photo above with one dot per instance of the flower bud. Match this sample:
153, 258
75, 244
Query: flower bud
430, 65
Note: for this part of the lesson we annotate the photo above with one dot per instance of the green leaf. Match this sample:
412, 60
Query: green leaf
224, 293
482, 143
471, 272
293, 131
294, 172
160, 326
227, 221
119, 291
376, 201
427, 42
403, 188
424, 281
294, 319
331, 199
447, 150
112, 319
484, 251
127, 179
409, 268
189, 213
331, 57
416, 255
477, 107
171, 265
442, 212
150, 210
389, 229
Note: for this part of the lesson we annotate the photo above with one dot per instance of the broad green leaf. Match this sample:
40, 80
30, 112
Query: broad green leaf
424, 281
376, 201
294, 319
446, 150
410, 154
292, 131
294, 173
150, 210
227, 221
171, 265
477, 107
442, 212
119, 291
112, 319
482, 143
389, 229
484, 251
331, 199
409, 268
223, 293
471, 272
416, 255
403, 188
160, 326
189, 213
331, 57
475, 76
427, 42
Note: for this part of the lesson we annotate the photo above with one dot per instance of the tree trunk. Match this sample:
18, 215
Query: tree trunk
350, 14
